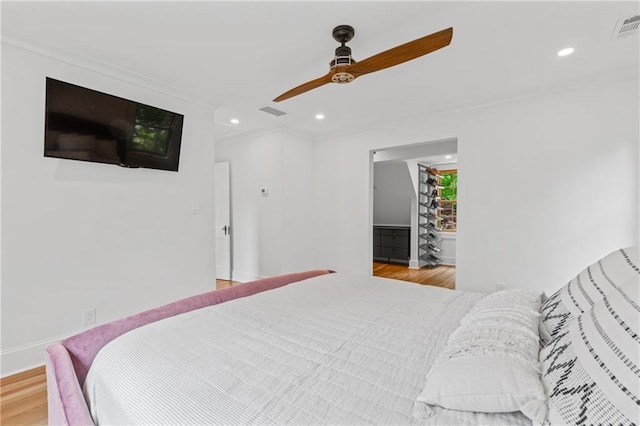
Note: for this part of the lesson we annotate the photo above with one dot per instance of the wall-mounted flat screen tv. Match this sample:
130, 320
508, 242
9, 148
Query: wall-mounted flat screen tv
83, 124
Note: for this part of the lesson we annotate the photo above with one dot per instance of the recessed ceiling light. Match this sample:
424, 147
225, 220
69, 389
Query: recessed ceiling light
234, 121
566, 51
447, 157
319, 116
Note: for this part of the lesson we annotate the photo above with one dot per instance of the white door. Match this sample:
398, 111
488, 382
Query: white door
223, 229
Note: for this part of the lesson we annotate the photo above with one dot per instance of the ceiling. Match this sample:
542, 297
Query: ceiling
238, 56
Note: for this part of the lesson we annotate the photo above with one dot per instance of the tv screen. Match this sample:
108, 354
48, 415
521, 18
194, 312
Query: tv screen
87, 125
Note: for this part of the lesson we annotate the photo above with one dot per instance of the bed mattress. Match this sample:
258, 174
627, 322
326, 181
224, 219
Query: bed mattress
334, 349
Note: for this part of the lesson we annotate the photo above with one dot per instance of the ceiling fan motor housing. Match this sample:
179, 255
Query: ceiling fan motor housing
342, 34
343, 57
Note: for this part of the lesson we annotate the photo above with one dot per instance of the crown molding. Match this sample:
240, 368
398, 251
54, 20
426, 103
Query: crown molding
263, 131
108, 70
620, 74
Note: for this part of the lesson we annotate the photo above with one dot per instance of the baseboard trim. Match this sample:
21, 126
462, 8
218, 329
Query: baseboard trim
245, 277
414, 264
26, 357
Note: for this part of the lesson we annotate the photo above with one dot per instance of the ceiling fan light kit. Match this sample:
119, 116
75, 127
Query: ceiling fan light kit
343, 69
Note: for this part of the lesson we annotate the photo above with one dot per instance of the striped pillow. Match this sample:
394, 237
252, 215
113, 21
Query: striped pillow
590, 370
586, 289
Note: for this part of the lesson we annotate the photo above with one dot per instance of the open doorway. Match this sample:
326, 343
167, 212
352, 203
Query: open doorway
414, 212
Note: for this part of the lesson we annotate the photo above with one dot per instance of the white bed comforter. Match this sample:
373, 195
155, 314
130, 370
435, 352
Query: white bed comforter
335, 349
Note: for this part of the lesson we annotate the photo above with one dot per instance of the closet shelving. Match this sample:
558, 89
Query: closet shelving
428, 216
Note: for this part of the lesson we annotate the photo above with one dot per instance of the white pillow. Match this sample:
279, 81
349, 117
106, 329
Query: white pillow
490, 363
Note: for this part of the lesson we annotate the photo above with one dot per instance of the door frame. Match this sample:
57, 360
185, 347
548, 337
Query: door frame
222, 221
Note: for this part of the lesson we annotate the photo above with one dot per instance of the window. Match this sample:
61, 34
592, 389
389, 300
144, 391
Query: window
449, 200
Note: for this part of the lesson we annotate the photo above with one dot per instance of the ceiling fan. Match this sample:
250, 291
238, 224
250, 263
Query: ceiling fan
344, 69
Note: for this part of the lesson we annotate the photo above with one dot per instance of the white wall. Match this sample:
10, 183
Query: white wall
270, 235
448, 248
414, 175
77, 235
567, 166
392, 194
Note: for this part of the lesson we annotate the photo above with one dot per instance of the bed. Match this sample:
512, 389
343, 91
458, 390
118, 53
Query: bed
331, 348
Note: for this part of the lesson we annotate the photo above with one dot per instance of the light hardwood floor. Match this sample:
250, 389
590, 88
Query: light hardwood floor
23, 397
440, 276
225, 283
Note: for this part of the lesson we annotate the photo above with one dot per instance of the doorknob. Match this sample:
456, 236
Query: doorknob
226, 229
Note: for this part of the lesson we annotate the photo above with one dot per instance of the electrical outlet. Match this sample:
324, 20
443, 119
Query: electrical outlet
501, 286
89, 316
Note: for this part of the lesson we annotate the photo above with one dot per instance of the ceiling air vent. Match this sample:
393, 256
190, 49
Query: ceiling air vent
626, 27
272, 111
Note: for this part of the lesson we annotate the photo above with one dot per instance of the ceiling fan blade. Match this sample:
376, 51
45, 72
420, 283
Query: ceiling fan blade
305, 87
403, 53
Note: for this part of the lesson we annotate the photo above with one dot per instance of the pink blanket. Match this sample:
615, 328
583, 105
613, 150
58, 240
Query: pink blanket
68, 362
